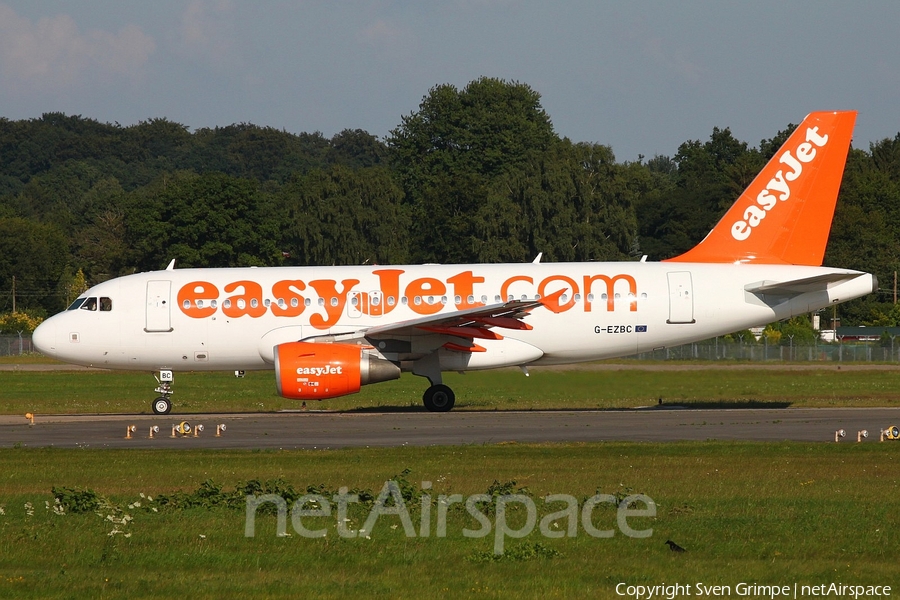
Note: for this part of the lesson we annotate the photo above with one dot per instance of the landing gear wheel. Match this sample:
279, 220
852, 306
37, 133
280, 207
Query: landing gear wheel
162, 406
439, 398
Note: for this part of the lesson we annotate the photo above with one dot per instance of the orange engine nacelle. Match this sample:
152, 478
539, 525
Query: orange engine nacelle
315, 371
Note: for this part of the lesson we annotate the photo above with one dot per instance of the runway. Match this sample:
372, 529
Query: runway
418, 428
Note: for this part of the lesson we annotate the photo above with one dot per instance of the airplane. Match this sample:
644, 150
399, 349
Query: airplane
326, 331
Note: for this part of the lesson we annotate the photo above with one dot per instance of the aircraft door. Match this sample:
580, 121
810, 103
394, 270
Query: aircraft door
159, 318
355, 304
681, 297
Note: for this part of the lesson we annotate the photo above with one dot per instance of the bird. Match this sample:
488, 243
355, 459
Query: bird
674, 547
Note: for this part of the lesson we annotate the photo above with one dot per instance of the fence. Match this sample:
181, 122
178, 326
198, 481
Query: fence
717, 349
709, 350
11, 345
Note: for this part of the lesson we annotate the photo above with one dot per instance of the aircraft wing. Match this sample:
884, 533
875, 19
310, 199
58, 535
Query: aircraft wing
468, 324
799, 286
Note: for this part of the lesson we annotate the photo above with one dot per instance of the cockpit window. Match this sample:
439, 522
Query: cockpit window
104, 303
77, 304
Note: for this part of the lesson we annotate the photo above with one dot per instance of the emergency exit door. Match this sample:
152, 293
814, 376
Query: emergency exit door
159, 317
681, 298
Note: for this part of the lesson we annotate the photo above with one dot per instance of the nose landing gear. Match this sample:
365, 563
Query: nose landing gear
162, 405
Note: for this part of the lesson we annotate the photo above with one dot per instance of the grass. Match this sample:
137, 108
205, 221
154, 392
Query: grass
102, 391
28, 358
765, 513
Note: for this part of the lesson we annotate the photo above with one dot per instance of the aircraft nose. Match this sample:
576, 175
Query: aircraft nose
44, 338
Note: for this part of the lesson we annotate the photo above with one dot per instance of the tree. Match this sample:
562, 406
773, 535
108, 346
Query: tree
450, 154
344, 217
71, 286
209, 220
357, 149
21, 321
574, 204
795, 331
35, 254
772, 334
865, 233
745, 336
690, 201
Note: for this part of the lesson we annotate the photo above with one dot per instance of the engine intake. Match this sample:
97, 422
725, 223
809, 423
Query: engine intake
315, 371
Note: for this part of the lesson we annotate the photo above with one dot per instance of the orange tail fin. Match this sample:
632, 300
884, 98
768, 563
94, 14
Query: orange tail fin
784, 217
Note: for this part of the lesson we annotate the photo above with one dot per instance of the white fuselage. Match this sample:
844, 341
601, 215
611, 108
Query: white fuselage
224, 319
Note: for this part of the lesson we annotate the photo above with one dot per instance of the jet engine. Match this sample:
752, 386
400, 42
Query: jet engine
315, 370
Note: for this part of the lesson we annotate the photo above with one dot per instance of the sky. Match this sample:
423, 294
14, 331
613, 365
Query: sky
642, 77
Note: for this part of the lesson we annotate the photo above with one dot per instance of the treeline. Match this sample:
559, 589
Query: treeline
474, 175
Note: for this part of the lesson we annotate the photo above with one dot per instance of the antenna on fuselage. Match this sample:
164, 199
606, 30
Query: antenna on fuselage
537, 258
171, 266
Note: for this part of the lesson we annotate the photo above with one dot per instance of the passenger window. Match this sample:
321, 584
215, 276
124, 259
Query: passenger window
89, 304
105, 304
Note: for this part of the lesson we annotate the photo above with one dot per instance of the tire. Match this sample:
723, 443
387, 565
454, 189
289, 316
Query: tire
439, 398
162, 406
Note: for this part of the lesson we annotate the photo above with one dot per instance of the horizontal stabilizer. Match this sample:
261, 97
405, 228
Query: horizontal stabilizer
799, 286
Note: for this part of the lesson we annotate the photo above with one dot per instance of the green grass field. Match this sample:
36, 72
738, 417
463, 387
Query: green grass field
770, 514
773, 514
52, 392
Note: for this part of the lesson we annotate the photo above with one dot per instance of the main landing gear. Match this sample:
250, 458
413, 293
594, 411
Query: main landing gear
439, 398
162, 405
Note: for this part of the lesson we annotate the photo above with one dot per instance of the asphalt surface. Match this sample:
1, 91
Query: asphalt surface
315, 429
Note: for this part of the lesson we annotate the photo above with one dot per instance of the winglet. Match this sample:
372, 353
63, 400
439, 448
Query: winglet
784, 216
